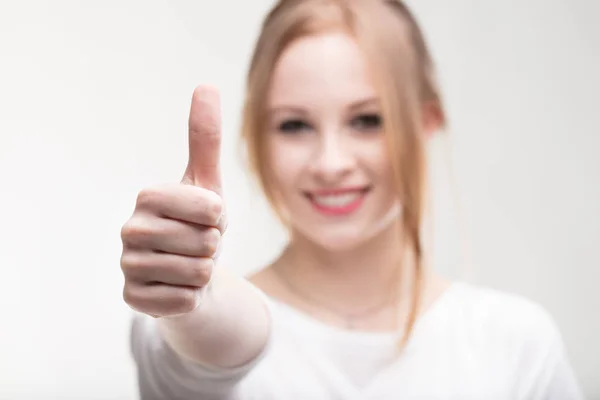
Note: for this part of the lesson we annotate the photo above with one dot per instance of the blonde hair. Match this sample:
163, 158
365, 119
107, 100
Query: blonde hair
403, 73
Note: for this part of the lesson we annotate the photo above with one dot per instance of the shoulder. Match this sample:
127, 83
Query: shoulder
510, 330
503, 309
521, 334
507, 341
509, 320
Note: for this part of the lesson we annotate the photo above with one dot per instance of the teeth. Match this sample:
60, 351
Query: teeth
338, 200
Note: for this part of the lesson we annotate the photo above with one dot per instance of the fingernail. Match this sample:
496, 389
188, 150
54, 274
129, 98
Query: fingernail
218, 251
222, 223
200, 295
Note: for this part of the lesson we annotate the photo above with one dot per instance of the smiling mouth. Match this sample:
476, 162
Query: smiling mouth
338, 202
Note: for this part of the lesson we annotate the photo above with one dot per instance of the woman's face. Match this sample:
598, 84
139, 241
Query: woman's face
326, 147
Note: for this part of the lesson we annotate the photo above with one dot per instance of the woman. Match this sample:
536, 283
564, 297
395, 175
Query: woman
341, 101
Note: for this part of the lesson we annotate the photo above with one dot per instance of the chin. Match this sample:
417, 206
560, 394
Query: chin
339, 245
337, 240
348, 235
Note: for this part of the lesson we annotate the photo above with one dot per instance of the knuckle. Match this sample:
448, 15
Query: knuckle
211, 127
209, 205
214, 207
202, 271
125, 262
148, 196
125, 230
129, 296
130, 261
212, 238
186, 301
135, 231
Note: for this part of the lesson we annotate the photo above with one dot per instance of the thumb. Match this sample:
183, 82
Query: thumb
204, 140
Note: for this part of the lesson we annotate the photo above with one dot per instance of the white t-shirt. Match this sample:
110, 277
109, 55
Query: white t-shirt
474, 343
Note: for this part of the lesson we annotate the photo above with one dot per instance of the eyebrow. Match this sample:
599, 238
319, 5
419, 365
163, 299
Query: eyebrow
365, 102
299, 110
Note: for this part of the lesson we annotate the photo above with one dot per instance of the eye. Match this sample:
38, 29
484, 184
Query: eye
293, 126
367, 122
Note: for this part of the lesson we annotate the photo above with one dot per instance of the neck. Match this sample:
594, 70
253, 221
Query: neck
371, 270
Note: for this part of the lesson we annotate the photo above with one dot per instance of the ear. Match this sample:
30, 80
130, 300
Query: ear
433, 118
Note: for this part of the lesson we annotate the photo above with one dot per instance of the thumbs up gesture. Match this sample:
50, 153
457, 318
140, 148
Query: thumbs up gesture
170, 241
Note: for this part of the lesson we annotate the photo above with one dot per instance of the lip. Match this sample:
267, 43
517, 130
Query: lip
355, 197
337, 191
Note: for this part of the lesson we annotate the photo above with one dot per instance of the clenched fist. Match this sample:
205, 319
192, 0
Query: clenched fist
170, 241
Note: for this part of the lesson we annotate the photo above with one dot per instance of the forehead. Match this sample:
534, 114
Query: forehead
323, 68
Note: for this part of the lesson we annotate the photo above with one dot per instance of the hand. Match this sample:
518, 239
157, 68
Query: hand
170, 241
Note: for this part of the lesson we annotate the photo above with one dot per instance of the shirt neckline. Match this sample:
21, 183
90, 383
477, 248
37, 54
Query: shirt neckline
311, 325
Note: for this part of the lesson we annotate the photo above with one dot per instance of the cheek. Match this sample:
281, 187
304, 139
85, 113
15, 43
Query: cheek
285, 163
385, 171
375, 158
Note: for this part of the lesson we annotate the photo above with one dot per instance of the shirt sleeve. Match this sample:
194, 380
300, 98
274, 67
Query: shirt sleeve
562, 383
545, 371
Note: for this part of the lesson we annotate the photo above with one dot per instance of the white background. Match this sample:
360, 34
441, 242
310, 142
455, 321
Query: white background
94, 98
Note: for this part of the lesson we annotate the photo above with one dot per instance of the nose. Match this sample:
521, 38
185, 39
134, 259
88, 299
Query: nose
334, 159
